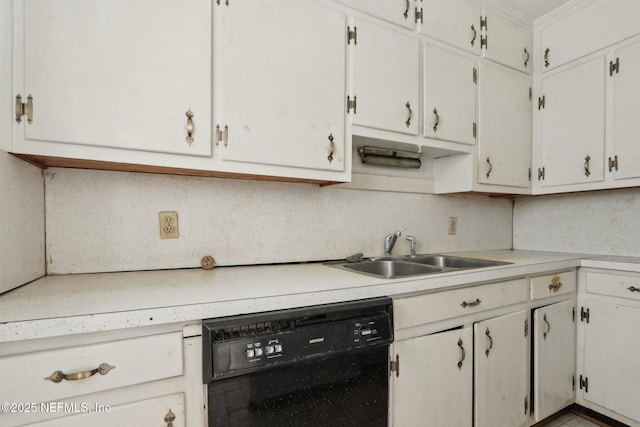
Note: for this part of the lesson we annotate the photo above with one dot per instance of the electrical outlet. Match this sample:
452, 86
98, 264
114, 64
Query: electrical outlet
169, 225
453, 225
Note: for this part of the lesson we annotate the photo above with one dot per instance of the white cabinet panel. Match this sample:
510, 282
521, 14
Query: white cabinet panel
386, 69
449, 96
573, 124
554, 353
504, 146
119, 73
626, 112
455, 22
399, 12
282, 84
509, 42
434, 385
501, 371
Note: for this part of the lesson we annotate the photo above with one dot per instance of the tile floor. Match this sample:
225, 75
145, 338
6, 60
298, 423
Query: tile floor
571, 420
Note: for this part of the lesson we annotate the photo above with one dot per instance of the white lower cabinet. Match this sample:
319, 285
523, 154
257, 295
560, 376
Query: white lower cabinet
136, 377
433, 386
501, 348
554, 358
608, 374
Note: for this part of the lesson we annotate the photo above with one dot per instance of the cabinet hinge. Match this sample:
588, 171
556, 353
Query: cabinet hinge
530, 94
475, 75
584, 314
475, 130
351, 104
541, 174
613, 163
573, 382
394, 366
584, 383
483, 42
614, 66
222, 135
226, 2
526, 327
23, 109
352, 35
529, 174
573, 319
526, 405
541, 102
418, 14
483, 22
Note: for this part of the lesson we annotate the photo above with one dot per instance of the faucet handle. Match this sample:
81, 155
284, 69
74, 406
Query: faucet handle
413, 245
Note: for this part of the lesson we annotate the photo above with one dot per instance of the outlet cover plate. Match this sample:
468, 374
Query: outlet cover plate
169, 225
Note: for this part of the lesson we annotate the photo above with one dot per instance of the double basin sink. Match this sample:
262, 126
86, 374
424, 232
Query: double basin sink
395, 267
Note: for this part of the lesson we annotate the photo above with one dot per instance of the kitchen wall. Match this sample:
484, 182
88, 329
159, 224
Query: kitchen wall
108, 221
599, 222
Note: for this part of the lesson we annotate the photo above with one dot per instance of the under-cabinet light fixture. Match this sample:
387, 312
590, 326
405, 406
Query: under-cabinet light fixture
387, 157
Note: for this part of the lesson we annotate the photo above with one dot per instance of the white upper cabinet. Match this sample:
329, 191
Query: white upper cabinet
508, 42
624, 70
386, 79
399, 12
573, 125
504, 146
455, 22
119, 74
282, 84
449, 96
596, 26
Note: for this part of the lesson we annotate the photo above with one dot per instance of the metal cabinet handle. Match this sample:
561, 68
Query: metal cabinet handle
406, 10
58, 376
526, 61
488, 334
546, 58
586, 165
463, 354
475, 35
189, 126
490, 167
332, 147
471, 304
633, 289
435, 125
544, 334
408, 122
170, 418
555, 286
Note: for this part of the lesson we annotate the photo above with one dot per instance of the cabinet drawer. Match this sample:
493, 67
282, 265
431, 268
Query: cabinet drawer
553, 284
135, 361
615, 285
419, 310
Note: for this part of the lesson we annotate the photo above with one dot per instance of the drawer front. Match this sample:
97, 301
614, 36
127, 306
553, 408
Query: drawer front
615, 285
553, 284
419, 310
135, 361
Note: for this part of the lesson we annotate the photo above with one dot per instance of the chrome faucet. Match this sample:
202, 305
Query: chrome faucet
389, 241
412, 240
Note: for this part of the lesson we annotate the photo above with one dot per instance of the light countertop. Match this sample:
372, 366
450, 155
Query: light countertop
62, 305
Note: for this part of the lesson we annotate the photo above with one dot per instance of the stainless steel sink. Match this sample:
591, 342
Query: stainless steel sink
391, 268
395, 267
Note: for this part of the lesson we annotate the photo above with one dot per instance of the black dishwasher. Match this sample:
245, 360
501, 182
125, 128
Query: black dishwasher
325, 365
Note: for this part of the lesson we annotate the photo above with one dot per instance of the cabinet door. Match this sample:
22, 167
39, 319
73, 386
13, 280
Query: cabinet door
504, 144
399, 12
554, 353
573, 124
120, 73
626, 112
151, 412
282, 84
509, 42
434, 383
456, 22
386, 70
502, 371
449, 96
611, 349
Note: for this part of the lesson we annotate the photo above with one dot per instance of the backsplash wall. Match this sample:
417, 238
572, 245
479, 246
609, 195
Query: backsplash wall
99, 221
598, 222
